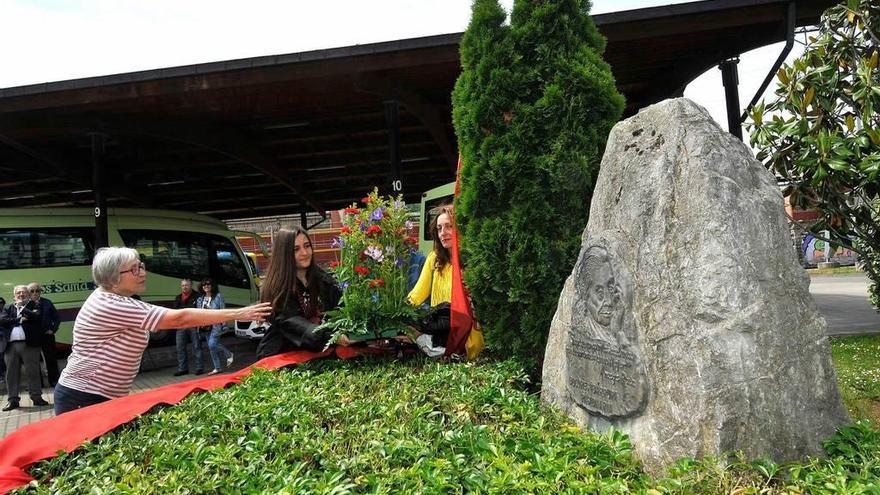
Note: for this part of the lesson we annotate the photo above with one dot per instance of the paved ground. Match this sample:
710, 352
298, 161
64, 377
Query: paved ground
843, 300
162, 374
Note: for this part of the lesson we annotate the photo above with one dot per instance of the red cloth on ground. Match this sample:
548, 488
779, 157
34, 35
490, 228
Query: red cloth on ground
43, 439
461, 318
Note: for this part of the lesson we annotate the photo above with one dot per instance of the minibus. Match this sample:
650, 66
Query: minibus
55, 246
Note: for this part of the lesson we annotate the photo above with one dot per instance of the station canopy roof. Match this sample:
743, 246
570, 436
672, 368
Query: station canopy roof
307, 131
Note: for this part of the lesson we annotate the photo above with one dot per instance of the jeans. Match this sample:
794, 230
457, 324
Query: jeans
68, 399
216, 348
185, 336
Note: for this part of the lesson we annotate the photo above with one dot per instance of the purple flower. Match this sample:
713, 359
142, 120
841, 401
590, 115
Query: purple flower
375, 297
398, 262
408, 225
345, 285
399, 204
376, 215
363, 227
375, 253
337, 242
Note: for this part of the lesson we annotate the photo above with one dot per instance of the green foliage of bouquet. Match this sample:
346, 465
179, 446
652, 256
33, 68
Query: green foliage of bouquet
375, 253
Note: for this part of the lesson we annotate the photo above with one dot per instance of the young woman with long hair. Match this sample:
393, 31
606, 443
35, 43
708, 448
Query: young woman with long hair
299, 291
436, 281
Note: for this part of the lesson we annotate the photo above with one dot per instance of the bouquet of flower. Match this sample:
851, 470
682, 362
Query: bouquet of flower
375, 252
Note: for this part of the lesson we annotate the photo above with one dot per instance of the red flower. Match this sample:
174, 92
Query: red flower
365, 199
351, 211
345, 230
411, 240
364, 271
334, 264
374, 229
377, 282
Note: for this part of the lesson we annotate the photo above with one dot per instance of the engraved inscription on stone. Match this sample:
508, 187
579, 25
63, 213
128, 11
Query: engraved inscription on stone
605, 372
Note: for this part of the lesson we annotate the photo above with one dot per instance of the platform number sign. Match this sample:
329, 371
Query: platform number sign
397, 186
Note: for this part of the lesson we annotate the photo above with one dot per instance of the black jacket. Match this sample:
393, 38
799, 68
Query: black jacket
191, 302
33, 326
290, 330
51, 322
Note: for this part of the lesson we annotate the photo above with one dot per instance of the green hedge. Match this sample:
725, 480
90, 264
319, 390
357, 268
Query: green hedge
411, 427
532, 110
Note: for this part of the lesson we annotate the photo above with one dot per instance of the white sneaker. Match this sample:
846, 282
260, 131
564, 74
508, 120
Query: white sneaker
229, 360
213, 372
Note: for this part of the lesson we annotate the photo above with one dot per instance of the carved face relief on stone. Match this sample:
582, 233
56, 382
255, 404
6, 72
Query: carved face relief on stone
605, 371
602, 291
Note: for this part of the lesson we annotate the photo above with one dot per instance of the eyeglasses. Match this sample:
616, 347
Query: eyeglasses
34, 291
135, 270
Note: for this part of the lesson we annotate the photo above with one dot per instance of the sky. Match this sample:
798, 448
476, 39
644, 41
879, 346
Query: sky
55, 40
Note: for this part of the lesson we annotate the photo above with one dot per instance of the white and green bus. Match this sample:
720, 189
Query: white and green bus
55, 246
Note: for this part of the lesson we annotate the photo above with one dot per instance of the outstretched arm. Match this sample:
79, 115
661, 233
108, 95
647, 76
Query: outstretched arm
192, 317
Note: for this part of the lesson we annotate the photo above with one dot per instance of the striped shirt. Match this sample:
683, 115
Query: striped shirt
109, 338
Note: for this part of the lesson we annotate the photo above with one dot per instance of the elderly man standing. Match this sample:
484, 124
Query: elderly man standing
22, 328
187, 299
50, 326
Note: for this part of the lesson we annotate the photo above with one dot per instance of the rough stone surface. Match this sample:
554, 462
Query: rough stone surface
687, 321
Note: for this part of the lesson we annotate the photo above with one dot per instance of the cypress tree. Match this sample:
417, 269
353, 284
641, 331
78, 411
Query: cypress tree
532, 110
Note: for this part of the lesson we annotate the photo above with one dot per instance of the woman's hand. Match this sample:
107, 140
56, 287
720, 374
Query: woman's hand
255, 312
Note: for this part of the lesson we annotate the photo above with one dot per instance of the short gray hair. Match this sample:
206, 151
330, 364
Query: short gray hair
108, 261
17, 287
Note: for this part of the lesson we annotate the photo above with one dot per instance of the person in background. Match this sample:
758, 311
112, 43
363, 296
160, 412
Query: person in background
2, 344
300, 292
51, 322
212, 299
113, 328
187, 299
435, 282
23, 331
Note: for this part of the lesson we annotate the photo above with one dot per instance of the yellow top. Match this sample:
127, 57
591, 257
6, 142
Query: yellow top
437, 284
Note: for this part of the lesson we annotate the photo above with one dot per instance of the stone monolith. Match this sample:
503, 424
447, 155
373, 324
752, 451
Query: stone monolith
687, 321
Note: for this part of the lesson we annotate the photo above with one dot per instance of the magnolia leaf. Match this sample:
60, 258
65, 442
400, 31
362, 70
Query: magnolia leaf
809, 96
783, 76
838, 165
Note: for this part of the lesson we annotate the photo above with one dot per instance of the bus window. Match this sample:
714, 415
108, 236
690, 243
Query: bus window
45, 247
171, 253
230, 267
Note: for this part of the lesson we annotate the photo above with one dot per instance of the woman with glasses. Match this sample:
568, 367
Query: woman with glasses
113, 328
212, 299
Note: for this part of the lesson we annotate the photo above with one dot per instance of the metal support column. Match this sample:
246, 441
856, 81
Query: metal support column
392, 120
101, 239
730, 79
